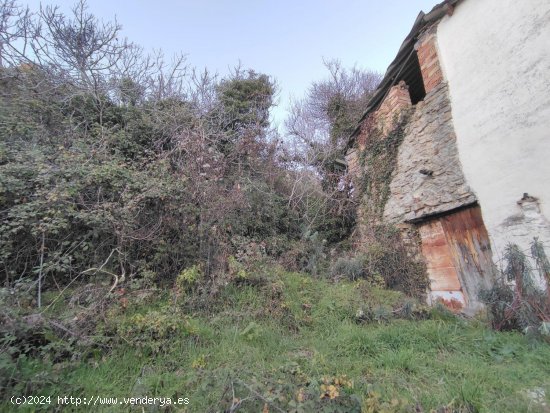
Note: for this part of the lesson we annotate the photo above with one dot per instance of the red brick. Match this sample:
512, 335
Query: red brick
397, 99
429, 62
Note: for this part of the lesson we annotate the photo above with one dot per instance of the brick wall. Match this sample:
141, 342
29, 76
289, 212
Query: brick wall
384, 119
426, 50
398, 98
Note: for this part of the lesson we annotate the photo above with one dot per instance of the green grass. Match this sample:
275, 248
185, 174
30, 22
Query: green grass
269, 342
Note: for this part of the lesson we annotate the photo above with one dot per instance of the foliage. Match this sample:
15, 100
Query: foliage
329, 112
120, 175
245, 101
541, 260
515, 301
307, 254
236, 269
110, 175
188, 277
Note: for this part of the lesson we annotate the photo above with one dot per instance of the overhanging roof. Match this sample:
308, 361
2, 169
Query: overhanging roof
402, 60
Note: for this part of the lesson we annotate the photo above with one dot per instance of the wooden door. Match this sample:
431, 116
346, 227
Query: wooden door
458, 255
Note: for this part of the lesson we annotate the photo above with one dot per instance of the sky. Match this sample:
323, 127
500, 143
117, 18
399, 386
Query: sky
286, 39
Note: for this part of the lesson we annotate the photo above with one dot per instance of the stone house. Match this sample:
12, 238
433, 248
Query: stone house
472, 171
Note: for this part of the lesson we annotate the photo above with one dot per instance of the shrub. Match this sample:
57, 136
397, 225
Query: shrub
386, 255
152, 329
189, 277
382, 314
237, 270
351, 268
307, 254
384, 261
514, 301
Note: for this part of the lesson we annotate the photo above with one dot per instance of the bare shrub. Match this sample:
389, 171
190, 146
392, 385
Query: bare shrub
386, 255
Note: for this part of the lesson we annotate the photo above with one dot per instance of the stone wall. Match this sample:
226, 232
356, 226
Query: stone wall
428, 178
427, 195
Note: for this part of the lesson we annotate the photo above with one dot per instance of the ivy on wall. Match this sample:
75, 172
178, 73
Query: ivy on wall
382, 245
378, 161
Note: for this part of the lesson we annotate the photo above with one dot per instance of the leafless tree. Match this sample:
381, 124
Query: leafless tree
317, 130
15, 32
84, 50
331, 108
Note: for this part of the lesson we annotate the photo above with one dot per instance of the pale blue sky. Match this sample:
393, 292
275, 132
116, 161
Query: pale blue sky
285, 39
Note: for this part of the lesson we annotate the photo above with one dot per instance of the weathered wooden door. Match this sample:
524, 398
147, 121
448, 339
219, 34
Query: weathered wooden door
458, 255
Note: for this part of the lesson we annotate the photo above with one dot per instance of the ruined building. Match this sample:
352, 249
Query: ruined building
470, 91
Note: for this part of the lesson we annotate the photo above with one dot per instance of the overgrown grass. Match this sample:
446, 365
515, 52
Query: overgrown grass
277, 344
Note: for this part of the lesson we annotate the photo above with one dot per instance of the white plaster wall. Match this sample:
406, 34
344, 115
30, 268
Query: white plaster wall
495, 55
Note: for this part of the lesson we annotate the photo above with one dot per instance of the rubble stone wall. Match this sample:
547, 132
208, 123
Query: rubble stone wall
428, 178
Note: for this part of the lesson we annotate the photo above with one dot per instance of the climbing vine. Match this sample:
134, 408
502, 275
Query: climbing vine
378, 161
384, 252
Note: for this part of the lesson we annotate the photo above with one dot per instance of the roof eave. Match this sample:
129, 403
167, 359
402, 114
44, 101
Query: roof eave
389, 79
